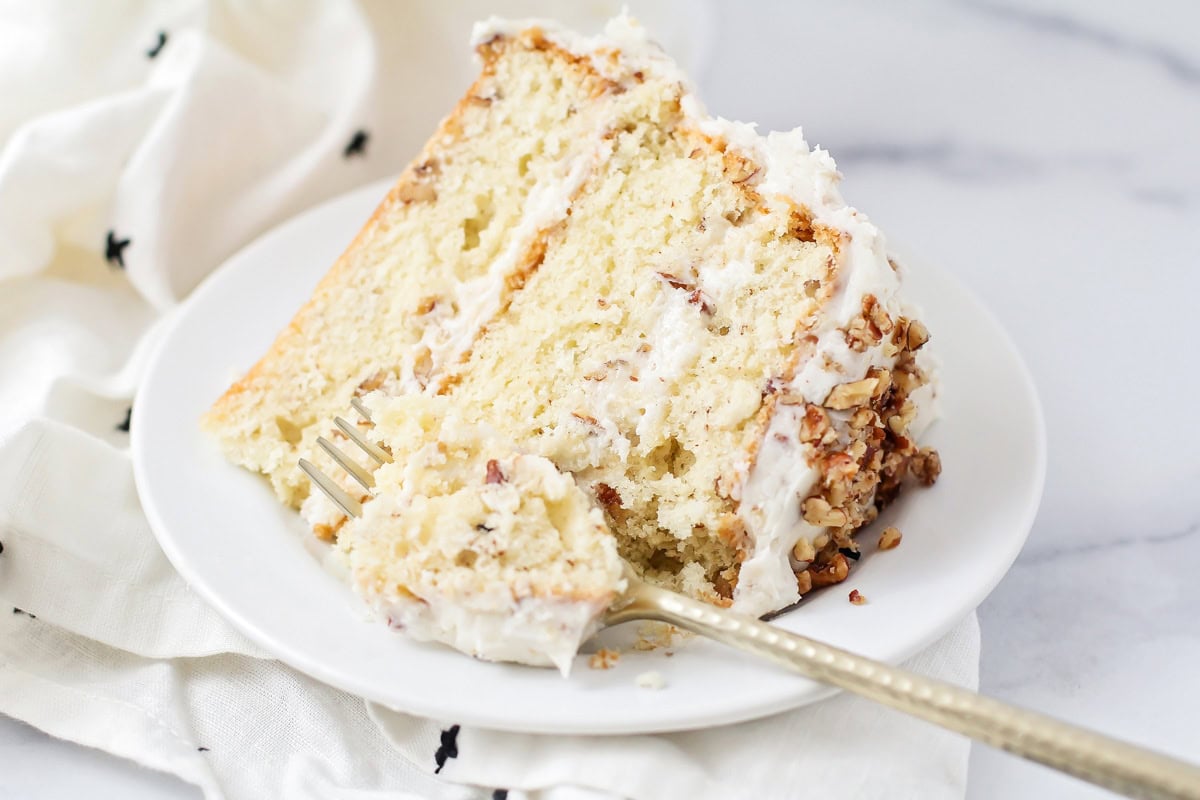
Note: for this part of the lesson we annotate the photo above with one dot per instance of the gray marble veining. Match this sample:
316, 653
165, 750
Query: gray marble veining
1118, 43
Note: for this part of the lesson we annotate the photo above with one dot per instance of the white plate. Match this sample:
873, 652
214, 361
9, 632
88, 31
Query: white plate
252, 559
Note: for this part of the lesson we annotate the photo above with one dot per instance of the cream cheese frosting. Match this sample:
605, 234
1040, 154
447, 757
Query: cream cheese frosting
494, 627
772, 487
782, 475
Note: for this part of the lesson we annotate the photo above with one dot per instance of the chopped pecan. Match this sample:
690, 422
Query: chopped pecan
917, 335
817, 511
415, 192
372, 383
848, 395
803, 550
863, 418
608, 497
700, 299
328, 533
890, 538
877, 317
925, 466
899, 422
884, 381
814, 425
675, 282
423, 365
908, 378
828, 574
804, 582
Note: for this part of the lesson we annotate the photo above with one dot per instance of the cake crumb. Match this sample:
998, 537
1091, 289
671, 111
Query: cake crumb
651, 680
656, 635
604, 659
857, 597
890, 538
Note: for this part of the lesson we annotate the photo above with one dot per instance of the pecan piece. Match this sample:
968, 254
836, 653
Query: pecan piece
817, 511
848, 395
890, 538
828, 574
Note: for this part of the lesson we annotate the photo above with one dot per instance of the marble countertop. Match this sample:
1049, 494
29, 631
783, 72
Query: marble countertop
1046, 153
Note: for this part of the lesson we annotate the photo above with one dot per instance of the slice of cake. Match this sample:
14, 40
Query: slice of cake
475, 544
679, 313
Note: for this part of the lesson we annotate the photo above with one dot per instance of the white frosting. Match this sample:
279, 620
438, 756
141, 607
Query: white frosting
622, 32
536, 631
674, 348
721, 281
774, 487
926, 397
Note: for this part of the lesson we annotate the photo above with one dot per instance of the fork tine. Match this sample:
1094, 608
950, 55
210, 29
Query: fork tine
365, 478
345, 502
361, 408
370, 448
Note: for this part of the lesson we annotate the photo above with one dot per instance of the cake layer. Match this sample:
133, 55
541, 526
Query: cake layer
455, 236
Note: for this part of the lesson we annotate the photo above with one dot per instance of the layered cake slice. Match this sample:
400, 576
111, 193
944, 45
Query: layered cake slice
682, 317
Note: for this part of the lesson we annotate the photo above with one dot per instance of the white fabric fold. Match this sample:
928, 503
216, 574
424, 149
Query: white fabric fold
138, 149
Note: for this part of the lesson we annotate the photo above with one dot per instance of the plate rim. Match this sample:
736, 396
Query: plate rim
314, 668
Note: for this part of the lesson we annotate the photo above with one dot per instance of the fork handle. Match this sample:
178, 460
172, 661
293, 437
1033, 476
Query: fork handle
1101, 760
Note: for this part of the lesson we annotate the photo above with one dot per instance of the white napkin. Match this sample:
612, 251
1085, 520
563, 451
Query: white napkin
138, 149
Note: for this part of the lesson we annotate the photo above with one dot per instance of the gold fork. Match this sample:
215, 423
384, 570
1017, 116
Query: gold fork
1113, 764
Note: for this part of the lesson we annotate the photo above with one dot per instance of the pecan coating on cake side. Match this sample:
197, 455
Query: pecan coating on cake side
864, 447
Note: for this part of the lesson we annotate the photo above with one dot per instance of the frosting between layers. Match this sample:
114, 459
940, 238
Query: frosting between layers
450, 337
773, 487
479, 300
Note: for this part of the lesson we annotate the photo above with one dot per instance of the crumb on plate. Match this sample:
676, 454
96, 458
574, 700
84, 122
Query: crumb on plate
890, 538
651, 680
604, 659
